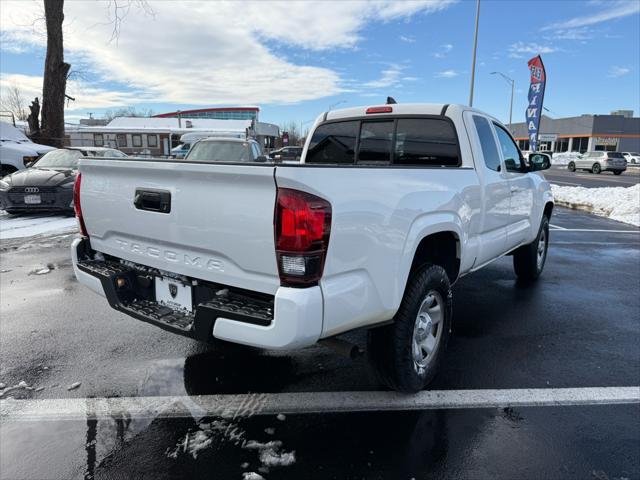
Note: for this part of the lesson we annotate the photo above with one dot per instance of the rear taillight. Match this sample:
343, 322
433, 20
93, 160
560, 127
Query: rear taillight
385, 109
76, 206
302, 226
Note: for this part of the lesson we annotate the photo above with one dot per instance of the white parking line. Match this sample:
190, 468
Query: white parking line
557, 228
233, 406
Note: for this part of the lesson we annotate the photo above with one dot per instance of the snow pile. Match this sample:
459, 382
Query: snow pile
270, 454
19, 227
564, 158
617, 203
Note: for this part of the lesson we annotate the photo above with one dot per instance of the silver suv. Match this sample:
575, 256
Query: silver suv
600, 161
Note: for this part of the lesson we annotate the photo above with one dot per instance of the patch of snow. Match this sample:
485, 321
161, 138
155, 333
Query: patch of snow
617, 203
2, 385
21, 385
252, 476
244, 465
269, 453
270, 431
42, 271
564, 158
281, 416
12, 226
74, 385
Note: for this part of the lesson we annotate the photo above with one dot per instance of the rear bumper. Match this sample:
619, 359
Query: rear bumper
290, 319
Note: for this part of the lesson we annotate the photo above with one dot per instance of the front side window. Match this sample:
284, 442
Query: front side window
512, 159
98, 140
487, 143
137, 140
333, 143
121, 140
375, 142
426, 141
220, 151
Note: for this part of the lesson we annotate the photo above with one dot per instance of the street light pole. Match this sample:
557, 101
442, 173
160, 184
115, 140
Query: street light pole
475, 48
512, 82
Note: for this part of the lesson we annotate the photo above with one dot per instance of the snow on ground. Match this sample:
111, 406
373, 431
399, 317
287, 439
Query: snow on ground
617, 203
14, 226
564, 158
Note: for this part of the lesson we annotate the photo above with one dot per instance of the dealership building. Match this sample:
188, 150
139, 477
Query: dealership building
224, 113
619, 131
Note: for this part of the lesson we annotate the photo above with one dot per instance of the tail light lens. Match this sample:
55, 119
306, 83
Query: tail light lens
302, 226
76, 206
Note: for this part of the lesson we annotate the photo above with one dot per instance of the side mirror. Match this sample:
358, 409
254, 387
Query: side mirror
262, 158
539, 161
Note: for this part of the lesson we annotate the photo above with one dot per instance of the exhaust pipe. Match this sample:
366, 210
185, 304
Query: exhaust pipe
342, 347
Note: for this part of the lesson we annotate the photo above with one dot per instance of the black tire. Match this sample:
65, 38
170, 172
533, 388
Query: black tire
526, 261
390, 349
596, 168
617, 172
572, 166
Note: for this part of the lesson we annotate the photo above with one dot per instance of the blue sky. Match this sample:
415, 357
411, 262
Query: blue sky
295, 60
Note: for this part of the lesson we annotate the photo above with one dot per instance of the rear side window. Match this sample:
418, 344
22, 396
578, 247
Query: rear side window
488, 143
375, 142
333, 143
426, 141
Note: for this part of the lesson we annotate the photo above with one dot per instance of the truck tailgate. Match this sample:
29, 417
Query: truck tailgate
219, 227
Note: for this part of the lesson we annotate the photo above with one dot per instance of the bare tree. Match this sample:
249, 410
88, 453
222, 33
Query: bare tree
127, 112
14, 101
55, 78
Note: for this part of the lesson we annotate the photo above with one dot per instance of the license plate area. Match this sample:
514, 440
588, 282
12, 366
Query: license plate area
174, 294
32, 199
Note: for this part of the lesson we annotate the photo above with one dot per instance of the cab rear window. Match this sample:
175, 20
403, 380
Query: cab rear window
411, 141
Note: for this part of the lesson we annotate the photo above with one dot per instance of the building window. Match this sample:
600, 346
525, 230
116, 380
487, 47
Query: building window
121, 140
98, 140
152, 141
580, 144
137, 140
562, 145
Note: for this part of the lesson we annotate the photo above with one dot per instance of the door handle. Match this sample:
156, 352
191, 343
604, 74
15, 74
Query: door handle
152, 200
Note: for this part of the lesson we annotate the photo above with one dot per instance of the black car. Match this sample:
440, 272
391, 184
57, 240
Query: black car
47, 185
287, 154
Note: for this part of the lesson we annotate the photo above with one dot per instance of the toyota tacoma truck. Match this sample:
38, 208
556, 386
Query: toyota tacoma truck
387, 208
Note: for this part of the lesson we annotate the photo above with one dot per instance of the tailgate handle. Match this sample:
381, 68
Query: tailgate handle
153, 200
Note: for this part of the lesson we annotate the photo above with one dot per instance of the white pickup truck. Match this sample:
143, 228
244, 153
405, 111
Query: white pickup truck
388, 207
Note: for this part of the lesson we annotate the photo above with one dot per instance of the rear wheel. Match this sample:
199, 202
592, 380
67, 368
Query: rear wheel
617, 172
596, 168
529, 260
572, 166
406, 355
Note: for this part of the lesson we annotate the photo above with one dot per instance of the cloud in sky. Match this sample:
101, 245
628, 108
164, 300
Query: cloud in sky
615, 9
390, 76
616, 71
408, 38
443, 50
450, 73
520, 49
212, 52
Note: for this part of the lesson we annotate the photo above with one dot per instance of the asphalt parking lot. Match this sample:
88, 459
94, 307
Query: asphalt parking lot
562, 176
576, 328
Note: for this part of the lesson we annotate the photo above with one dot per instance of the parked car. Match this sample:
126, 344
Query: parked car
279, 256
227, 150
599, 161
287, 154
632, 157
17, 150
48, 184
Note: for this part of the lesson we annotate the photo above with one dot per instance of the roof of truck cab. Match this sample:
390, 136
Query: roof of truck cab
400, 109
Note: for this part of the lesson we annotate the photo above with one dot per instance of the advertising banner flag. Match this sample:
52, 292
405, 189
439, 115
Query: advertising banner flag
536, 97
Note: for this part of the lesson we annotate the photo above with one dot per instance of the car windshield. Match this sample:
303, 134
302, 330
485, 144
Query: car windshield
220, 151
67, 159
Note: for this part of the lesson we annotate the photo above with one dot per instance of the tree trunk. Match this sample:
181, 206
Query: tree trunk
55, 77
34, 121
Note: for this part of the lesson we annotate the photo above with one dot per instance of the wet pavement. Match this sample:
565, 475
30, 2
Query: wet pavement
577, 327
560, 175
